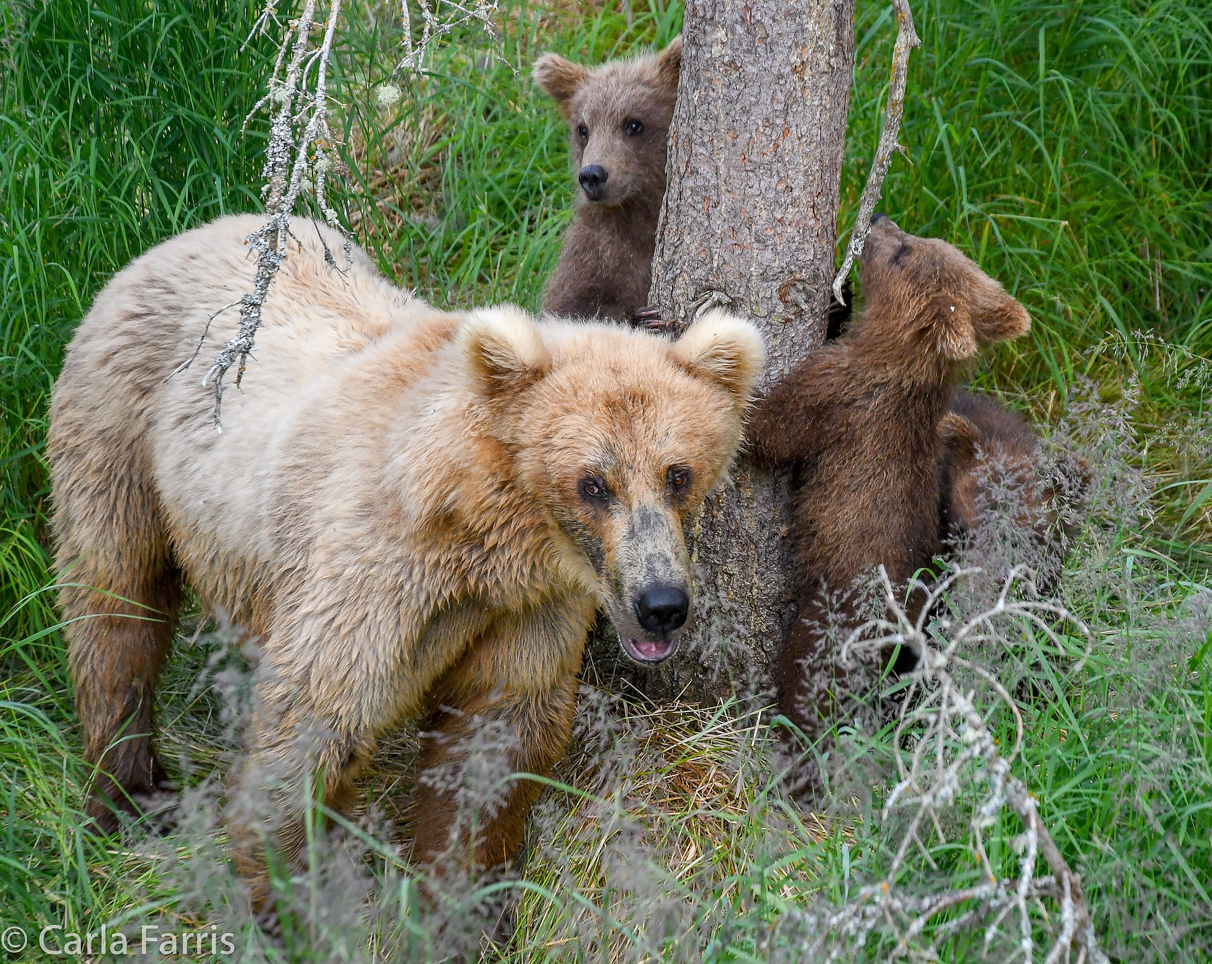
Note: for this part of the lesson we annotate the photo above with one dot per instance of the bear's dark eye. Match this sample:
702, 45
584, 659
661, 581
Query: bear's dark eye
633, 127
678, 478
583, 132
594, 489
901, 253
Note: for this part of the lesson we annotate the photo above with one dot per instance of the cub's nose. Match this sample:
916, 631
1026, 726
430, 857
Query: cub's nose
593, 179
662, 609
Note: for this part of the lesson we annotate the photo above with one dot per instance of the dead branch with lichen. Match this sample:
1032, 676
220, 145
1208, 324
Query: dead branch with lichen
441, 18
945, 750
298, 158
906, 40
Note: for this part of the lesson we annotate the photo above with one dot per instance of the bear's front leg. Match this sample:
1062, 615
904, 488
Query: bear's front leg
268, 797
506, 708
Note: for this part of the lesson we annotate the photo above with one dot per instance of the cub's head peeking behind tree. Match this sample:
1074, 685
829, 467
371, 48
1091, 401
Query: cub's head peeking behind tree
618, 116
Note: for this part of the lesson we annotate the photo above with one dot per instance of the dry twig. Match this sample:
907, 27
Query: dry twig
441, 19
294, 162
299, 156
951, 748
906, 40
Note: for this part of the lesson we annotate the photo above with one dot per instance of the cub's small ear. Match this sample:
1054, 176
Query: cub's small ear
1000, 317
669, 62
503, 348
725, 349
948, 324
960, 439
560, 78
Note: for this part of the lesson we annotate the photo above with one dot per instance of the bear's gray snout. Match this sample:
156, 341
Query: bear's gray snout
593, 179
648, 584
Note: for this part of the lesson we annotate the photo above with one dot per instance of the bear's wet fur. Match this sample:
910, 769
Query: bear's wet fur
858, 420
414, 513
618, 116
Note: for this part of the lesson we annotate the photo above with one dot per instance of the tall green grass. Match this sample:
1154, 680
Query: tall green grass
120, 126
1066, 146
1069, 147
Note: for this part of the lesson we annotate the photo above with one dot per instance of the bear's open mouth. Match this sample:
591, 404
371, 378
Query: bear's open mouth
643, 651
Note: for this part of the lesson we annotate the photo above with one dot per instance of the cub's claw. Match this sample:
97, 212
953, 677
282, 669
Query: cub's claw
651, 318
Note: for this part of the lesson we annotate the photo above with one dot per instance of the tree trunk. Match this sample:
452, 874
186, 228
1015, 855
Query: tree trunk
750, 220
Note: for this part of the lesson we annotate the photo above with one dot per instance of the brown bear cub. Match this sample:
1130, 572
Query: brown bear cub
1000, 487
993, 470
859, 422
619, 116
980, 429
416, 513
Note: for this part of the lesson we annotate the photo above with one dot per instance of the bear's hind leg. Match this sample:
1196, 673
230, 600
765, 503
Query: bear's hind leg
804, 672
119, 591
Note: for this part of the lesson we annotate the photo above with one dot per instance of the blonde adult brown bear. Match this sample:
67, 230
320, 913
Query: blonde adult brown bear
415, 512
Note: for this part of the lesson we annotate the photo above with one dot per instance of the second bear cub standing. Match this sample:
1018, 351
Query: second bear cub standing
859, 420
619, 115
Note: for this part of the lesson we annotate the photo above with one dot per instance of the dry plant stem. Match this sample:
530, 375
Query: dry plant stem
906, 40
952, 739
435, 27
290, 158
270, 13
287, 163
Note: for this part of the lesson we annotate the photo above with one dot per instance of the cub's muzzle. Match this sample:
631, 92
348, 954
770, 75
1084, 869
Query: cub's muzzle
593, 179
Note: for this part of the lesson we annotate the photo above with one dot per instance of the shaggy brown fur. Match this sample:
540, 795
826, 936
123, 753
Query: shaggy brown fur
980, 429
859, 421
993, 465
417, 514
991, 457
619, 115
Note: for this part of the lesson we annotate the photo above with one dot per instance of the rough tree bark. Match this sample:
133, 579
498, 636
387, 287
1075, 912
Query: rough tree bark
750, 220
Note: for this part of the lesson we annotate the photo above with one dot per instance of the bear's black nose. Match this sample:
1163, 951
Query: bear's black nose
878, 216
662, 609
593, 178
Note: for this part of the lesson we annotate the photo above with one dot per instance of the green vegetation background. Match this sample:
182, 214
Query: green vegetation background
1065, 145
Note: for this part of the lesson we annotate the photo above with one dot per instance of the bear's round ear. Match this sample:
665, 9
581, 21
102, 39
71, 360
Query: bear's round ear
560, 78
725, 349
960, 439
669, 62
1000, 317
503, 348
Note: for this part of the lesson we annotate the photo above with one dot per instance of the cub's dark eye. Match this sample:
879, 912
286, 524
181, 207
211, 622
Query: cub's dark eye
583, 132
678, 478
593, 489
901, 253
633, 127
